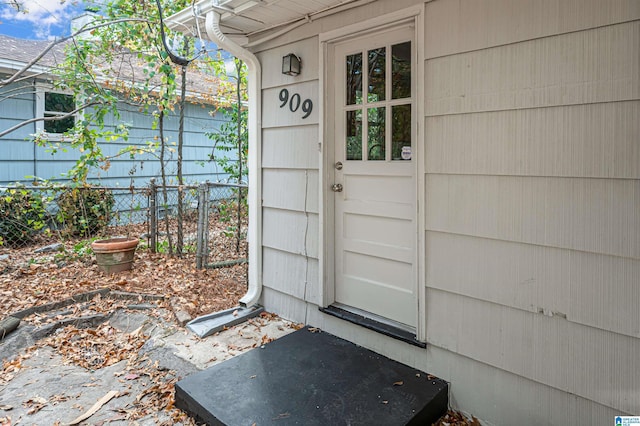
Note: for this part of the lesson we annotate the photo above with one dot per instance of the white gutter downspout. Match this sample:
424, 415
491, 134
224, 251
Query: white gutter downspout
254, 121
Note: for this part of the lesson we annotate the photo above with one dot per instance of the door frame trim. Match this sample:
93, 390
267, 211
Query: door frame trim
327, 43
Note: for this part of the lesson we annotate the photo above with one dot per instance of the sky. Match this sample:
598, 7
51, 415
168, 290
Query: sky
38, 19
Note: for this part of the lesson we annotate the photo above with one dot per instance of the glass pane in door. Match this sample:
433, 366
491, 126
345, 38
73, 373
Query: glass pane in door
376, 146
401, 70
354, 135
354, 79
401, 132
377, 64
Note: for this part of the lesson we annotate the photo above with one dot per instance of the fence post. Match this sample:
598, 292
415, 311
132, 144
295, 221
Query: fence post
153, 214
202, 228
207, 198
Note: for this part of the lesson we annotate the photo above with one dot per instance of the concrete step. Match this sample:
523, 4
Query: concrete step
312, 378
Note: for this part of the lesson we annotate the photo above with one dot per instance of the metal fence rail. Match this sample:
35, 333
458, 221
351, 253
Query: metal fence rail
207, 221
222, 225
42, 214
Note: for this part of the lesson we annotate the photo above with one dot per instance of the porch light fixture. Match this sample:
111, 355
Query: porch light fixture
291, 64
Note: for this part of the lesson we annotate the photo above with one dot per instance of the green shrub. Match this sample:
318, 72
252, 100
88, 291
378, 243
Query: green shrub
22, 215
85, 211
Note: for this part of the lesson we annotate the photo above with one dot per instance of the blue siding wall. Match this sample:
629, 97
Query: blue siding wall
16, 156
20, 158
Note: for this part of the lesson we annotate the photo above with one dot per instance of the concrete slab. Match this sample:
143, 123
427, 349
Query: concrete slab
312, 378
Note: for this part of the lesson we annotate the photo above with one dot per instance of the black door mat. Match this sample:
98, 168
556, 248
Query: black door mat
311, 377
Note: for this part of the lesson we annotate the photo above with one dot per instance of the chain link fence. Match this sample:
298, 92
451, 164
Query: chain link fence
208, 221
223, 225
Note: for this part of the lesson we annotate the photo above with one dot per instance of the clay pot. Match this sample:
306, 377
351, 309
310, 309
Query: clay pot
115, 255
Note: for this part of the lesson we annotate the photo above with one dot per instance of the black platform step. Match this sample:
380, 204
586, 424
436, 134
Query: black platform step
312, 378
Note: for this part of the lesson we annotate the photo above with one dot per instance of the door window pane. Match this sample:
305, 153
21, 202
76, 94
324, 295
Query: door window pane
401, 69
401, 132
375, 141
354, 135
354, 79
376, 75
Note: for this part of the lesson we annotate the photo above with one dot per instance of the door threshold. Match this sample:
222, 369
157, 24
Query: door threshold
387, 329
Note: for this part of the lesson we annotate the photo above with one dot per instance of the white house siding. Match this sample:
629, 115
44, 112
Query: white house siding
531, 200
290, 171
532, 191
290, 162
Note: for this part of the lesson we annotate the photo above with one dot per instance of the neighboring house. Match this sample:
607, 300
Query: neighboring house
465, 173
36, 97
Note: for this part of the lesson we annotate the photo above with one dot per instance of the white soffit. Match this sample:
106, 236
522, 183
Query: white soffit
248, 18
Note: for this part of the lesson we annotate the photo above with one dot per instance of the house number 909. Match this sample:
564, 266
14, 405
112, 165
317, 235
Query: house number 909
295, 103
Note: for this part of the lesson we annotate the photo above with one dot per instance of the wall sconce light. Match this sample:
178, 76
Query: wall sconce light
291, 64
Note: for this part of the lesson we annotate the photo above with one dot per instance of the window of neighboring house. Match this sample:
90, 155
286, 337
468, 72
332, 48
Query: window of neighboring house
57, 105
51, 103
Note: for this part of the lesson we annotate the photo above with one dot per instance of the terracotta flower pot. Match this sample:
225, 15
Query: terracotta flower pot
115, 255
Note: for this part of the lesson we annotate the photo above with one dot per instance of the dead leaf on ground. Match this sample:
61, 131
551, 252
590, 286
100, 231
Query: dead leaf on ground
34, 404
94, 409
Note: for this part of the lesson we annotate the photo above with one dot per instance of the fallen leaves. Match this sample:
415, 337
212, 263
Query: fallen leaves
265, 339
94, 409
28, 280
93, 349
31, 279
34, 404
455, 418
10, 368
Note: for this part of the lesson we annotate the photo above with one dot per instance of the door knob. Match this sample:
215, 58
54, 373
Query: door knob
336, 187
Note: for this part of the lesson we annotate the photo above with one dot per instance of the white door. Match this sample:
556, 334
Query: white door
373, 175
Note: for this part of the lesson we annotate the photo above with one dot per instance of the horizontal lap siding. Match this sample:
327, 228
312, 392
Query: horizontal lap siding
511, 399
290, 161
592, 215
555, 282
16, 160
596, 140
581, 360
598, 65
290, 273
279, 184
532, 190
479, 24
21, 158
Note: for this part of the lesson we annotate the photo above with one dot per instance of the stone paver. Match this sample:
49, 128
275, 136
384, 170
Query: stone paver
67, 391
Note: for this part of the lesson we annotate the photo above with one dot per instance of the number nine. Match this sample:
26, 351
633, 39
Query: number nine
294, 102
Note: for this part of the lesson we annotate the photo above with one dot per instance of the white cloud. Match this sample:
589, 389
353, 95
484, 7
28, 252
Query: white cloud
44, 15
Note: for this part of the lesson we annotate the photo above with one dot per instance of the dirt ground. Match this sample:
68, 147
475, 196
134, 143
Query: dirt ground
30, 279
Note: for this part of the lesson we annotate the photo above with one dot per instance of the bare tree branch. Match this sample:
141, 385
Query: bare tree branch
57, 117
